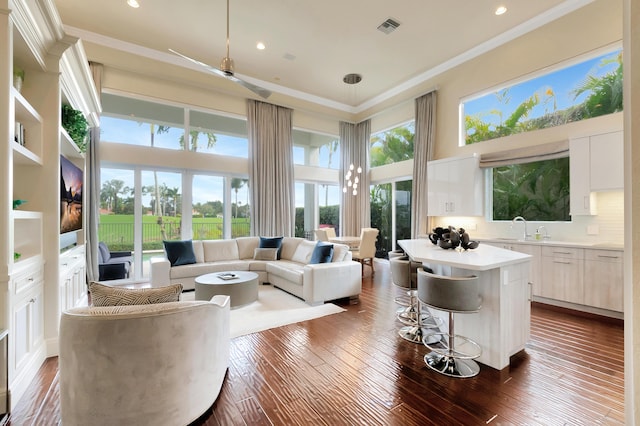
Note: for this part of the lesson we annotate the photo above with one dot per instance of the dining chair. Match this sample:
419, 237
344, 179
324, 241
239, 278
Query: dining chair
331, 232
321, 235
366, 253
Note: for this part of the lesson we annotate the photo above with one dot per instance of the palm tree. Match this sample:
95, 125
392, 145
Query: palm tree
110, 192
193, 140
236, 184
332, 147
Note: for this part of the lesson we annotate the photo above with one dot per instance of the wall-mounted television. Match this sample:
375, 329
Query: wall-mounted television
71, 181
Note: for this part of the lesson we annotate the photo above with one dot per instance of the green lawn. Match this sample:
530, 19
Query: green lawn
117, 230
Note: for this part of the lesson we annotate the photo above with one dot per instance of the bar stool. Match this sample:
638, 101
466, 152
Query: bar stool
451, 354
412, 317
405, 299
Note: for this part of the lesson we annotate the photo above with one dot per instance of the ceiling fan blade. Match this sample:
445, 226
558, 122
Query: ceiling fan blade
202, 64
255, 89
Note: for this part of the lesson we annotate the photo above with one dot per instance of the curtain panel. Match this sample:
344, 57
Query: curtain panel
355, 211
271, 180
93, 183
423, 142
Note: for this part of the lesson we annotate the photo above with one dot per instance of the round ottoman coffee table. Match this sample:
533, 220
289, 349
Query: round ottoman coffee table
241, 286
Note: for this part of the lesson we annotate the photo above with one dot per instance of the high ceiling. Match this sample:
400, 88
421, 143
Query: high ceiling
311, 45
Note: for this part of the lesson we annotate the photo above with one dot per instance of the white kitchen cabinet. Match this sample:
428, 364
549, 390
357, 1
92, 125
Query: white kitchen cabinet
595, 164
563, 274
606, 161
582, 201
604, 279
455, 187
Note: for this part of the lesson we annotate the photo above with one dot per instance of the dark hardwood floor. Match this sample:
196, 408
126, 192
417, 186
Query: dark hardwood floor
353, 369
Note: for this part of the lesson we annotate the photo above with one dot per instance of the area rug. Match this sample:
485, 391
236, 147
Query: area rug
274, 308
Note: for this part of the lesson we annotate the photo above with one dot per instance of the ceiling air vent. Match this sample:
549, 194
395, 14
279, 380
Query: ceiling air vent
389, 26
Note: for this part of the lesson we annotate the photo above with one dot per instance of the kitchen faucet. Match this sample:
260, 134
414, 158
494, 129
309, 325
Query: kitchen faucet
523, 220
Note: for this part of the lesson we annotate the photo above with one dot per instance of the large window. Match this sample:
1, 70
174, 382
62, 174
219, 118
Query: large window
391, 214
588, 89
392, 146
538, 191
315, 149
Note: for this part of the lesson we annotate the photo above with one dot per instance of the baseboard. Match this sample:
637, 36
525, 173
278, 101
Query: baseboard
579, 310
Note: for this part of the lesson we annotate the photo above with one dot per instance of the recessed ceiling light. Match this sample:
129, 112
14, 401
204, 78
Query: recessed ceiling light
260, 46
133, 3
501, 10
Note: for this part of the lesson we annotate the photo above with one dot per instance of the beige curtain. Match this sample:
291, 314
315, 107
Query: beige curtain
93, 184
423, 143
355, 212
271, 184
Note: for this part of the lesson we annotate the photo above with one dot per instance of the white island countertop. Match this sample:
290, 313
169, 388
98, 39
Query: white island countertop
482, 258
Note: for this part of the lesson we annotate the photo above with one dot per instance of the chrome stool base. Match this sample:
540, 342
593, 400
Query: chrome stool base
461, 368
415, 334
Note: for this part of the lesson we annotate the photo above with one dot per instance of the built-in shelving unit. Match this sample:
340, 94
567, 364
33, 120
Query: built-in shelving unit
40, 280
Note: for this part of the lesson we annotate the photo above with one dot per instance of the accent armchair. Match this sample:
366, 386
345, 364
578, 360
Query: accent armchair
113, 265
159, 364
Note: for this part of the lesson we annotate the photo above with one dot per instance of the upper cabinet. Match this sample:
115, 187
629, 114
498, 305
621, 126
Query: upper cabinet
596, 164
455, 187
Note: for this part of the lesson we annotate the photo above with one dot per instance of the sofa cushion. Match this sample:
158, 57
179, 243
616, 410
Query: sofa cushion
198, 250
290, 271
303, 252
322, 253
192, 271
265, 254
179, 252
104, 295
340, 252
289, 246
217, 250
271, 242
246, 246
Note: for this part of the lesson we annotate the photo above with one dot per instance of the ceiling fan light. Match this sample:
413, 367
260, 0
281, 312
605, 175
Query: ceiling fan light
226, 65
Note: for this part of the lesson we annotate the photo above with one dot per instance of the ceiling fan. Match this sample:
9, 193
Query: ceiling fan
226, 68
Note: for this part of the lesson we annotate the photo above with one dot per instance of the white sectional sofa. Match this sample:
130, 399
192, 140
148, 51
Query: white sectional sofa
314, 283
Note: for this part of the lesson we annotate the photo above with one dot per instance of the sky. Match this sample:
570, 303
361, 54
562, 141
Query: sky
562, 83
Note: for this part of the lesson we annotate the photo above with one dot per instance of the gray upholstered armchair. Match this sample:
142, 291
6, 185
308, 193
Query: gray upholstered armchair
161, 364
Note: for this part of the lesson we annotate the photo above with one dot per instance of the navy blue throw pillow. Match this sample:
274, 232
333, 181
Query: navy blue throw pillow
180, 252
271, 242
322, 253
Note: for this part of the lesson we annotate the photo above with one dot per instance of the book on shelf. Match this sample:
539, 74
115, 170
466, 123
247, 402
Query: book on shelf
19, 133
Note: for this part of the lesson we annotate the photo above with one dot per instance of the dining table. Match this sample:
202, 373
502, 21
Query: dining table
351, 241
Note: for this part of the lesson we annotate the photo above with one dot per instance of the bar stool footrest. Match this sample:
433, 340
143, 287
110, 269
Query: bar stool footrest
463, 347
461, 368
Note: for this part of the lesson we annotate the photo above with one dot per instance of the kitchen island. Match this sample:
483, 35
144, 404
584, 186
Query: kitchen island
501, 327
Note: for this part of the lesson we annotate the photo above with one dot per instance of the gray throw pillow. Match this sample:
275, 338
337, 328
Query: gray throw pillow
265, 254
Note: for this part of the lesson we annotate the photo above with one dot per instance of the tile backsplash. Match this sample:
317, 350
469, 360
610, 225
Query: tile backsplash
607, 226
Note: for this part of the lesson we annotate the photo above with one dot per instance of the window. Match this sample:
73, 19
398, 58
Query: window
588, 89
137, 122
538, 191
315, 149
392, 146
218, 134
